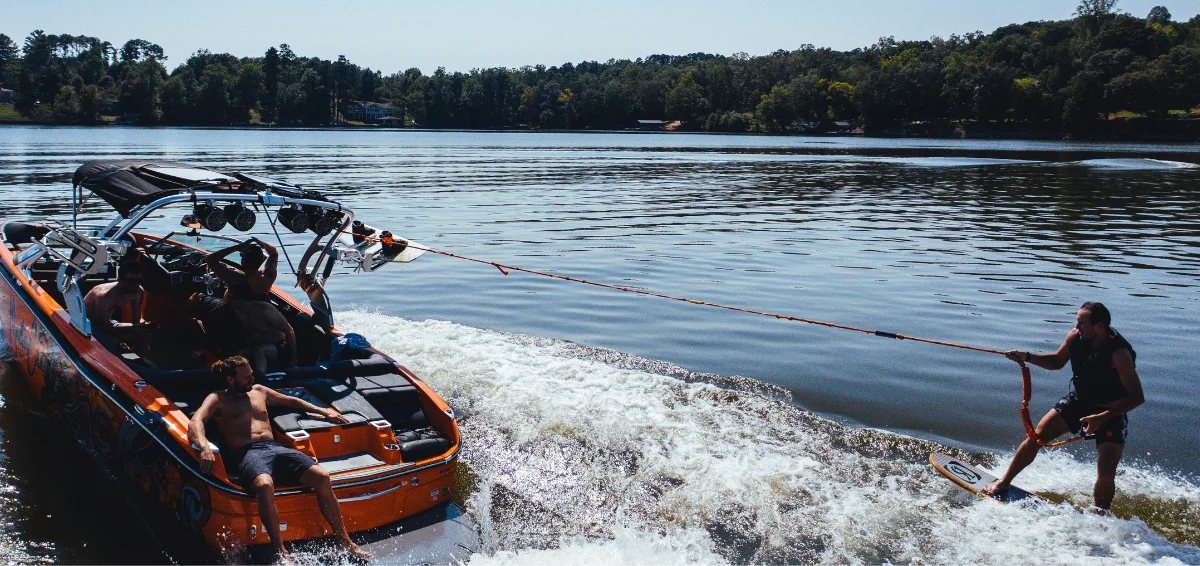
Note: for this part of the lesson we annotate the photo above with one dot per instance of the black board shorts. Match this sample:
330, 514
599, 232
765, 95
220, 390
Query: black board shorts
1071, 409
285, 465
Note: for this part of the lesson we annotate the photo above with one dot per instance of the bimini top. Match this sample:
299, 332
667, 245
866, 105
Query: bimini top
127, 183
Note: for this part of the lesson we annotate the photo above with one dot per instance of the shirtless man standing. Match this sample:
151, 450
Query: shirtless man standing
240, 413
105, 300
270, 335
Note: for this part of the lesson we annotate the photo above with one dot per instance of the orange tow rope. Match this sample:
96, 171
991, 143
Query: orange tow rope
1026, 393
1027, 384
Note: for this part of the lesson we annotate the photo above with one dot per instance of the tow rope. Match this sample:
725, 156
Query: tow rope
1026, 380
1030, 431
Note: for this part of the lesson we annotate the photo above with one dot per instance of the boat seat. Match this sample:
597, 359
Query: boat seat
333, 393
20, 234
387, 396
375, 365
421, 443
400, 405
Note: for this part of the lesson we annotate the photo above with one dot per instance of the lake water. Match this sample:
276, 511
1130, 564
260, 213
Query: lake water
606, 427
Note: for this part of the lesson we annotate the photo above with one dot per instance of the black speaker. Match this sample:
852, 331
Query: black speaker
240, 217
210, 216
328, 222
293, 218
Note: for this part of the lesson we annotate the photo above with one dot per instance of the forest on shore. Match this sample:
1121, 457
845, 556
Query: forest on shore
1101, 65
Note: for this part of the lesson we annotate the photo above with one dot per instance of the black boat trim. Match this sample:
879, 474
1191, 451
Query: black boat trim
87, 371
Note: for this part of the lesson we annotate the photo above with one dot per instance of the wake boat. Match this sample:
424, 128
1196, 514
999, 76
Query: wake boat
392, 464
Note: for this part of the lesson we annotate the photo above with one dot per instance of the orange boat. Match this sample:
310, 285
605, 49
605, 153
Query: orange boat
392, 465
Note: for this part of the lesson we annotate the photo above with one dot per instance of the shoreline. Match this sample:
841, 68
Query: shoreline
897, 133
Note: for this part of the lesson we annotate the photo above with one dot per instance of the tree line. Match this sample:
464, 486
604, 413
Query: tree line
1045, 73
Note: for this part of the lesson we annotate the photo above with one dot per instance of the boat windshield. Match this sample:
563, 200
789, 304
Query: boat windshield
206, 241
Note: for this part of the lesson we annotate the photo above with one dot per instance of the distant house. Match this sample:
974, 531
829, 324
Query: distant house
841, 127
370, 111
7, 95
652, 124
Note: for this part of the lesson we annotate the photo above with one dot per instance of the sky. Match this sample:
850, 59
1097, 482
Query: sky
466, 34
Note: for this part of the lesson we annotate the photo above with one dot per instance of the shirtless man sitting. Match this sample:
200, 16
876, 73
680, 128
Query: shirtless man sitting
106, 300
270, 336
240, 413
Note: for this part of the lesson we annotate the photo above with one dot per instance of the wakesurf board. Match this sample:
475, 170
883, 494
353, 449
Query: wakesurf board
974, 480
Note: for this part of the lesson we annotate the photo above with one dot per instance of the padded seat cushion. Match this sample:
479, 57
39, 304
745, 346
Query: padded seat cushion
401, 406
421, 443
338, 395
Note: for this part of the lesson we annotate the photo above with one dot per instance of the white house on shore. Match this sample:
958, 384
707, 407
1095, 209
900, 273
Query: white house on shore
370, 111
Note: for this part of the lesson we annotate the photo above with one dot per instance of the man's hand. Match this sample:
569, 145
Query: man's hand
265, 246
1019, 356
207, 459
333, 415
1092, 423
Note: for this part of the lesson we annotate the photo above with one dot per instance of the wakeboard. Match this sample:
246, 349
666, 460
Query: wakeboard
974, 480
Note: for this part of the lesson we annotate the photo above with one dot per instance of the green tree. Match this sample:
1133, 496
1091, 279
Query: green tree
270, 102
1093, 13
1095, 8
841, 100
10, 62
177, 101
775, 109
1159, 15
91, 103
686, 102
66, 105
249, 87
809, 97
138, 50
213, 103
141, 87
1170, 82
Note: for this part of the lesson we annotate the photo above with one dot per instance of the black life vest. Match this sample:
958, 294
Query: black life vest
1095, 380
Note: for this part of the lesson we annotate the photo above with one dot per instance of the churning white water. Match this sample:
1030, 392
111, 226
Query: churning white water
581, 455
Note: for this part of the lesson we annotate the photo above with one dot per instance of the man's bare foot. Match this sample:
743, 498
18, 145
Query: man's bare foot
356, 553
995, 489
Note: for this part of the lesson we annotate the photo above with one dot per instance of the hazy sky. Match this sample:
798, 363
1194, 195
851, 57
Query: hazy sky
393, 36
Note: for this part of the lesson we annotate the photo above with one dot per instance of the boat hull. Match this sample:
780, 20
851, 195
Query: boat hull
90, 396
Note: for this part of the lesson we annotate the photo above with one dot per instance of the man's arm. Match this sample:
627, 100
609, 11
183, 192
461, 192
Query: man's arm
196, 432
100, 310
1123, 362
1055, 361
276, 321
223, 271
135, 308
271, 269
277, 399
100, 317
